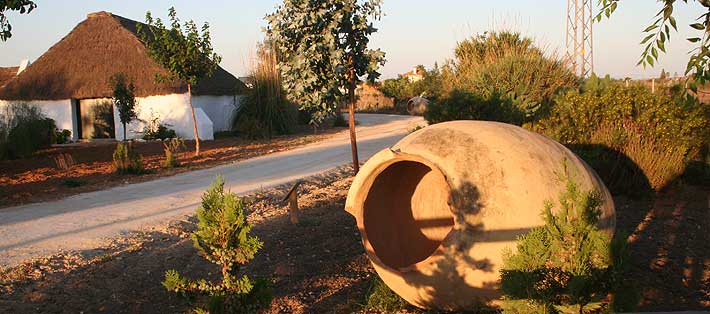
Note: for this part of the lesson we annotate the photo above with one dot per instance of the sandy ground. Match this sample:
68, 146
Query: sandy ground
86, 221
319, 266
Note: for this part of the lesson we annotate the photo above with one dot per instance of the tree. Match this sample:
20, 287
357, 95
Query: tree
124, 99
23, 6
659, 33
222, 237
184, 51
324, 46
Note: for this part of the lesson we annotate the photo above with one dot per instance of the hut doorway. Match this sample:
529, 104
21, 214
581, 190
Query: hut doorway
95, 119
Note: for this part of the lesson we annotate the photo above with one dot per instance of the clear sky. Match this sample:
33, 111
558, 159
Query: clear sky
412, 32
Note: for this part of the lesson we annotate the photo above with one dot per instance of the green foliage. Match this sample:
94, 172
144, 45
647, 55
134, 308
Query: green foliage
401, 89
183, 50
381, 298
324, 45
565, 266
24, 130
463, 105
659, 33
339, 120
633, 138
154, 130
124, 99
172, 148
61, 136
126, 160
265, 109
511, 66
22, 6
222, 237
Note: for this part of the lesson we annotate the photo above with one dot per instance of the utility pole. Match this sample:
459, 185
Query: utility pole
579, 39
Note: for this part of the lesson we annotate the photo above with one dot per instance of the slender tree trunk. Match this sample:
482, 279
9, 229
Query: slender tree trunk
124, 131
194, 120
351, 118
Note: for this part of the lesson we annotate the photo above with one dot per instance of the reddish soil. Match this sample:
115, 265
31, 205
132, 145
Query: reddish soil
38, 178
319, 266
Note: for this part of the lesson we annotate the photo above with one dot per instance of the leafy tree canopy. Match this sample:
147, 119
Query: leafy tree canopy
23, 6
658, 34
184, 50
321, 42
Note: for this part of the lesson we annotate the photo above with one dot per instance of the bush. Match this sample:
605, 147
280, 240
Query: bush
172, 148
511, 66
629, 134
339, 120
567, 265
222, 237
24, 130
463, 105
61, 136
126, 160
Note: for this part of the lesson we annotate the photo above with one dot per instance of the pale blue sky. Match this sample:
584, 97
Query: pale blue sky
412, 32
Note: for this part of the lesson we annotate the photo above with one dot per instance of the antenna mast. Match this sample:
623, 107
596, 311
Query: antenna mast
580, 51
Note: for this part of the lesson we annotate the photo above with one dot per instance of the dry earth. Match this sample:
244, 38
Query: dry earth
319, 266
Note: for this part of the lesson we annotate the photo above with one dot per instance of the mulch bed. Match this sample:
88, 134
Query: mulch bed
319, 265
38, 179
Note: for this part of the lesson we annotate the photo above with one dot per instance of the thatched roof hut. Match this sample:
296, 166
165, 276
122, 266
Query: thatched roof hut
6, 74
81, 65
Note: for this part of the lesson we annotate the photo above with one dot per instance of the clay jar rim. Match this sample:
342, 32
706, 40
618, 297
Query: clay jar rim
386, 159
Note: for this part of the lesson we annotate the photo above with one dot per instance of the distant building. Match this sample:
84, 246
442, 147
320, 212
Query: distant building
415, 75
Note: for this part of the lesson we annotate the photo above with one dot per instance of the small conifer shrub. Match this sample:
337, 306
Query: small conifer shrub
568, 265
222, 237
126, 160
172, 148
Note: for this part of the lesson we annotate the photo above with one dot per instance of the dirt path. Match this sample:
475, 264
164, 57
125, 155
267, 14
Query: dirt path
84, 221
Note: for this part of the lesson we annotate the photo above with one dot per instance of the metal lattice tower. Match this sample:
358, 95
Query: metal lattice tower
579, 36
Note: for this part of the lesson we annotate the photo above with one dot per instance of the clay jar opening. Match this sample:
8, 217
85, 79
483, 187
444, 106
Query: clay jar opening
406, 213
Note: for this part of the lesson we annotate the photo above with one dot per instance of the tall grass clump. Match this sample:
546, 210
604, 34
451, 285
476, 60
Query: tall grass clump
266, 111
508, 64
634, 139
24, 129
172, 149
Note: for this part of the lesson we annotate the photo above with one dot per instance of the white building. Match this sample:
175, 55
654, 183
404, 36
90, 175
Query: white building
71, 83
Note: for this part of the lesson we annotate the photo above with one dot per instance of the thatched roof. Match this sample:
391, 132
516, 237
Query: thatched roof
6, 74
82, 63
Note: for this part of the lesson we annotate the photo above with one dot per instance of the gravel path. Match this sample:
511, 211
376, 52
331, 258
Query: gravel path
86, 221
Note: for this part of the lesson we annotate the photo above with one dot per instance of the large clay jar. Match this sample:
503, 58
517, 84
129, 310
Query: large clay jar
436, 210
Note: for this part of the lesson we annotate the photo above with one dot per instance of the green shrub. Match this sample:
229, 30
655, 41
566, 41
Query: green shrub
567, 265
463, 105
172, 148
339, 120
222, 237
24, 130
629, 135
126, 160
510, 66
160, 132
61, 136
381, 298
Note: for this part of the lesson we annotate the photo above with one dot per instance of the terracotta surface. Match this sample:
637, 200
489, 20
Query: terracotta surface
436, 210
